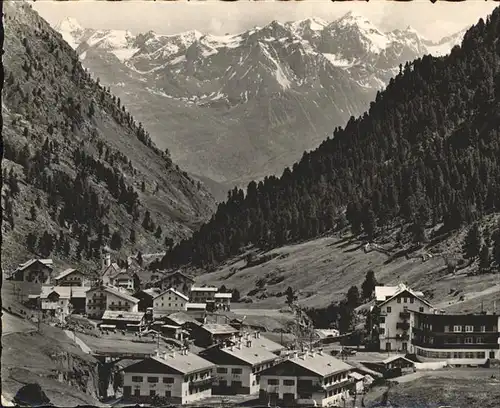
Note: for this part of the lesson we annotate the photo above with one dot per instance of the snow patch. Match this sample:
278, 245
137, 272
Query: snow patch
337, 61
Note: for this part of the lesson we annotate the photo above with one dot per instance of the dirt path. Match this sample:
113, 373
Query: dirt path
86, 349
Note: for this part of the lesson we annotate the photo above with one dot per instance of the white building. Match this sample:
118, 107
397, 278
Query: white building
35, 270
173, 377
168, 302
204, 294
309, 379
395, 326
102, 298
71, 277
239, 366
223, 301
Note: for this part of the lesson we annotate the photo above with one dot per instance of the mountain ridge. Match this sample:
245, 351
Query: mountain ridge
245, 105
80, 173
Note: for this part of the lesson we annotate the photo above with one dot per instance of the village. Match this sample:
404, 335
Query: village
167, 341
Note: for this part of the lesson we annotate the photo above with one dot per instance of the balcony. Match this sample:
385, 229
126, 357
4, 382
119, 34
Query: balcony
403, 325
201, 382
404, 315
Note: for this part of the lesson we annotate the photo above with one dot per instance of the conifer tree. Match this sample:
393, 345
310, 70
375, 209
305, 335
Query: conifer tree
368, 285
472, 243
484, 259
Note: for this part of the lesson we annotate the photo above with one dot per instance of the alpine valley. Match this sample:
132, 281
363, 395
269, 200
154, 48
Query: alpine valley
236, 108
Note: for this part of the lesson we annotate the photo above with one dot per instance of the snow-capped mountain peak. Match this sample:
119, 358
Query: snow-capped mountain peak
69, 25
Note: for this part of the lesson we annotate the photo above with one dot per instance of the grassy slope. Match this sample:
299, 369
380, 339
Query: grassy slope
32, 357
179, 205
467, 387
323, 270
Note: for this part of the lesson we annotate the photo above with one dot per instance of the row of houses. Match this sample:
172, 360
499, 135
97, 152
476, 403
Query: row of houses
116, 289
407, 322
248, 366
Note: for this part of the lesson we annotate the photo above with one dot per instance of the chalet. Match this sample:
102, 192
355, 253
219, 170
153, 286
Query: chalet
393, 366
211, 333
178, 281
308, 378
238, 366
62, 299
113, 275
223, 301
395, 324
71, 277
102, 298
170, 377
168, 302
54, 303
203, 294
35, 271
122, 320
458, 339
146, 297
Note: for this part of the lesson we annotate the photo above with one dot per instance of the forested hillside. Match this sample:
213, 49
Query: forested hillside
79, 172
427, 152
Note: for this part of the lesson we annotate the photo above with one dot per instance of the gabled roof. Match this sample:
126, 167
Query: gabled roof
249, 354
121, 315
215, 328
153, 292
172, 290
383, 293
116, 292
112, 270
320, 364
46, 262
181, 318
401, 288
176, 273
183, 363
65, 273
65, 292
397, 357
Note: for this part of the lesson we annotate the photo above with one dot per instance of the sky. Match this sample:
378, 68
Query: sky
433, 21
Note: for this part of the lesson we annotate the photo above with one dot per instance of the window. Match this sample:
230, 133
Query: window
405, 308
468, 340
469, 328
168, 393
479, 340
483, 328
412, 300
136, 378
152, 393
236, 384
152, 379
272, 381
382, 319
431, 340
168, 380
221, 370
389, 309
288, 382
421, 309
457, 329
223, 383
404, 346
446, 329
236, 371
137, 392
382, 330
405, 300
399, 300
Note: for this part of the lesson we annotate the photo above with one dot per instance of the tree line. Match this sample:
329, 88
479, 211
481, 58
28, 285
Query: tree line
427, 151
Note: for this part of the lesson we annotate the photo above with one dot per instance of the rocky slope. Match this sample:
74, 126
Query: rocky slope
238, 107
79, 172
